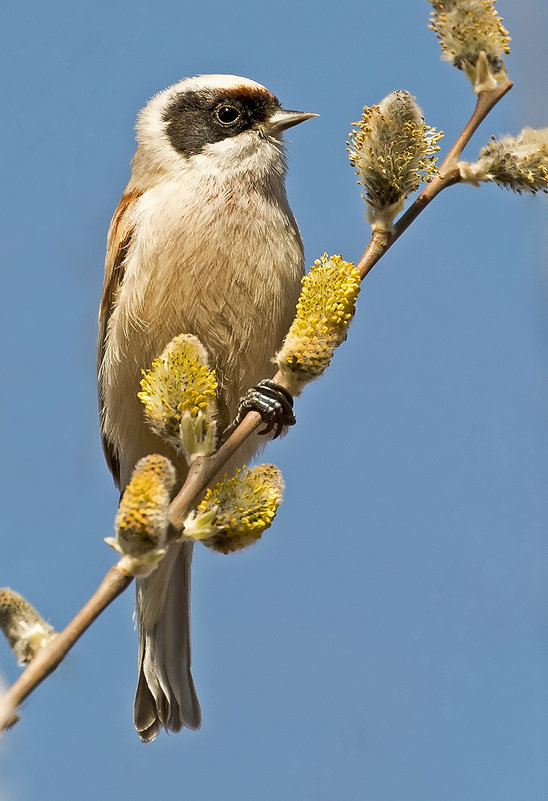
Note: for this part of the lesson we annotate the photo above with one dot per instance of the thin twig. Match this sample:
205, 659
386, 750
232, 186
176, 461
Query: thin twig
204, 469
45, 662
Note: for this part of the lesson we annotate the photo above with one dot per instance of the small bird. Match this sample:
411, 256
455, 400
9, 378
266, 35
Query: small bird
202, 242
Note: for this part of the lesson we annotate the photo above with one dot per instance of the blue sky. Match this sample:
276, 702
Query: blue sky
386, 640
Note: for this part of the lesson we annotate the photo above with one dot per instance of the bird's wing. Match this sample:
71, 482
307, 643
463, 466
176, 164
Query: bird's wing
118, 241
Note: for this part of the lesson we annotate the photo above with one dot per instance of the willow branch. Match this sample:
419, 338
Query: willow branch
48, 659
204, 469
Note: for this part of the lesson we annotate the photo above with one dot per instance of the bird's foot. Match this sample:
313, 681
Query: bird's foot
272, 401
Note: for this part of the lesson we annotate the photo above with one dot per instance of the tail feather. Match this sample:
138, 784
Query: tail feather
166, 696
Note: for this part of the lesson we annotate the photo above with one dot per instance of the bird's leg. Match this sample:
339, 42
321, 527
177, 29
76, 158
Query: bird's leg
273, 402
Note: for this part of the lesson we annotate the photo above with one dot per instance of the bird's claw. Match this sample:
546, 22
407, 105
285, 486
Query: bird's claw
272, 401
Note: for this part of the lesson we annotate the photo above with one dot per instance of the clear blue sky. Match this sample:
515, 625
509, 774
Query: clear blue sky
387, 639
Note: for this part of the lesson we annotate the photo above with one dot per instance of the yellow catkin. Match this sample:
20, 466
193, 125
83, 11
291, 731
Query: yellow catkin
392, 151
142, 519
325, 308
234, 513
178, 381
472, 38
519, 163
24, 628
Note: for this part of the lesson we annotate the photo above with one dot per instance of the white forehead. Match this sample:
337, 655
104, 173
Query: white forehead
149, 120
214, 82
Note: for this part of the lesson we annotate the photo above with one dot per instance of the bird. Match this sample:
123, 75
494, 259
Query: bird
202, 242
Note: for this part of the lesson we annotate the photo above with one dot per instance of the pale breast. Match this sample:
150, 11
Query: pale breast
226, 268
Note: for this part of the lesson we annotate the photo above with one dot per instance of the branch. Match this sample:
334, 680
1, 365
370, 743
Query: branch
204, 469
46, 661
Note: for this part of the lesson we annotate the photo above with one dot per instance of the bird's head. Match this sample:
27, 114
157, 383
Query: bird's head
213, 123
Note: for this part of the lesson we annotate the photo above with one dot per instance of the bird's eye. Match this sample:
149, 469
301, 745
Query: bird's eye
227, 115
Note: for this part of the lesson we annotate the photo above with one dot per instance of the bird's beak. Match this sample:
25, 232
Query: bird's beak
283, 119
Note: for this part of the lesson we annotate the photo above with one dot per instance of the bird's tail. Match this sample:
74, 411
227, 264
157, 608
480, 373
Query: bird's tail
165, 696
